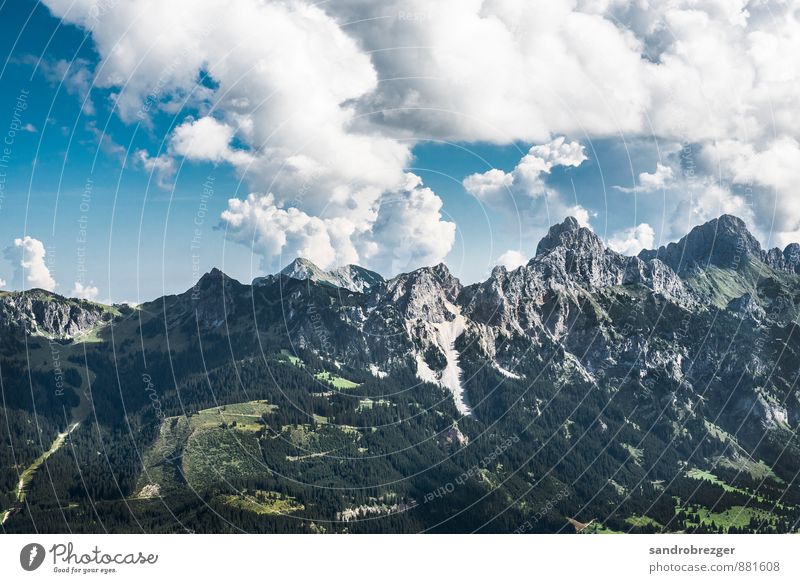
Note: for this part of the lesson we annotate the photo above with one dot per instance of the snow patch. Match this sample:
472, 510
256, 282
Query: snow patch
378, 373
444, 335
447, 333
507, 373
424, 372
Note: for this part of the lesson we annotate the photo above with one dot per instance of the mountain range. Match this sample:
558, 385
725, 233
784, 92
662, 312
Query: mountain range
584, 391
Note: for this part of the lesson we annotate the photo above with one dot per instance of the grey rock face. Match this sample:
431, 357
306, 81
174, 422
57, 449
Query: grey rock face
212, 300
44, 313
597, 313
350, 277
571, 261
574, 253
724, 242
747, 306
424, 294
786, 260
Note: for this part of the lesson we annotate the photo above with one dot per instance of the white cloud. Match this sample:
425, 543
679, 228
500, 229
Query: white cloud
161, 167
705, 201
207, 139
74, 76
527, 179
580, 214
658, 179
557, 152
631, 241
286, 78
84, 292
273, 231
30, 128
767, 178
511, 259
202, 140
297, 107
523, 192
2, 282
489, 185
650, 181
27, 255
499, 70
408, 231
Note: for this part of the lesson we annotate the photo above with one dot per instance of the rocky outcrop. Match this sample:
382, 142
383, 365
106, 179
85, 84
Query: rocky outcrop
724, 242
350, 277
213, 299
427, 302
44, 313
427, 293
587, 307
746, 306
574, 254
786, 260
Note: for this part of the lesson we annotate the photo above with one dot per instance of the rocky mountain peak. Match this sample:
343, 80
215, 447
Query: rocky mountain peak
212, 300
498, 272
214, 280
356, 278
438, 275
724, 242
792, 251
791, 257
787, 260
302, 268
569, 230
214, 275
570, 254
45, 313
425, 293
350, 277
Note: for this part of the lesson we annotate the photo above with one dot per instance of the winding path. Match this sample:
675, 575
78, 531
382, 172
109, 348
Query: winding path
27, 475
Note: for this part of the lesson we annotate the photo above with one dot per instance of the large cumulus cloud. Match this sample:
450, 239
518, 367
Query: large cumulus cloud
28, 256
318, 107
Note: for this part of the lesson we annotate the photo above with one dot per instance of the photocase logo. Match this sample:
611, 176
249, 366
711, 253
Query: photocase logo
31, 556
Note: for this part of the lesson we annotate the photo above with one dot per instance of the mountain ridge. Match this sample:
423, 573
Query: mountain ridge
696, 248
645, 379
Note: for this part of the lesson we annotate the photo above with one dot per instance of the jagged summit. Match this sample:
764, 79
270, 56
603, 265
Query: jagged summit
38, 311
569, 230
439, 272
571, 252
574, 253
724, 242
350, 277
788, 259
425, 292
213, 281
302, 268
215, 274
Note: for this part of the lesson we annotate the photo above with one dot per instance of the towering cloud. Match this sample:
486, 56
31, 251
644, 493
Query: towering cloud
27, 255
285, 80
318, 106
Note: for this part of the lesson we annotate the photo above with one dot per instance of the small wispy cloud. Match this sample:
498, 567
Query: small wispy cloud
650, 181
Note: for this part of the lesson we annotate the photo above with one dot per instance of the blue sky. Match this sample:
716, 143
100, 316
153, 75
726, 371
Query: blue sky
133, 205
